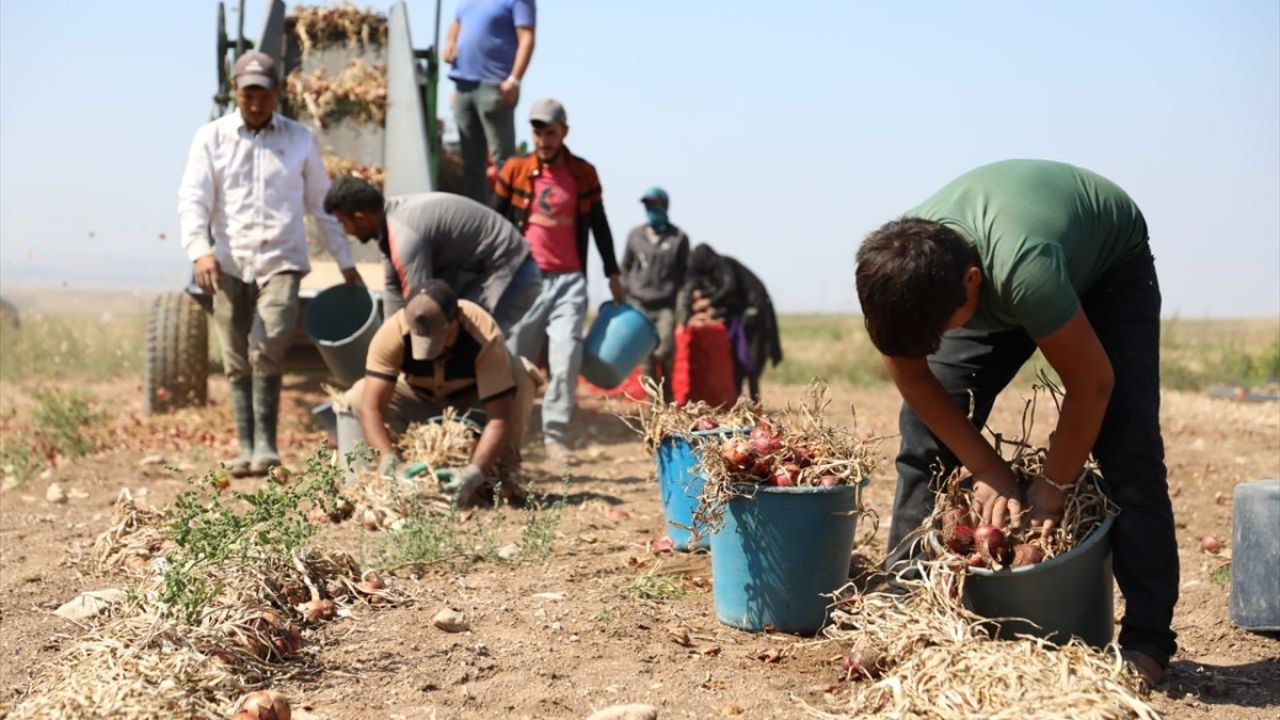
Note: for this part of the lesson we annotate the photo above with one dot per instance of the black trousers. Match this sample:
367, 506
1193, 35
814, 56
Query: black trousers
1124, 310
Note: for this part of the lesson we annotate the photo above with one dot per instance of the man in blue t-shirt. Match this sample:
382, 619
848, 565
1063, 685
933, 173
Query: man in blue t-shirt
489, 45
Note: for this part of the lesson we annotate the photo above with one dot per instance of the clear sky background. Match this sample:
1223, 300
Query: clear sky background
784, 131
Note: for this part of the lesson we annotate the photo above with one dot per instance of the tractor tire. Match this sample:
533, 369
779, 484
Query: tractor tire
177, 361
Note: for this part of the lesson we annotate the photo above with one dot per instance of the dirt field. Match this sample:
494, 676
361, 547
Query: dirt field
563, 638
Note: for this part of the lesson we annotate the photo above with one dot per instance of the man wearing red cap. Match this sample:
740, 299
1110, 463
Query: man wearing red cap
250, 177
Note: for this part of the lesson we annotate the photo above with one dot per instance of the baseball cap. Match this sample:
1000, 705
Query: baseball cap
255, 68
428, 316
657, 194
548, 110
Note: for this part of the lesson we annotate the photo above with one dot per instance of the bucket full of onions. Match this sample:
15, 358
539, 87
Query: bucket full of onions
783, 504
1055, 588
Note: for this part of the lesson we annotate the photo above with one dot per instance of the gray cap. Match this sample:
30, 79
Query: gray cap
548, 110
255, 68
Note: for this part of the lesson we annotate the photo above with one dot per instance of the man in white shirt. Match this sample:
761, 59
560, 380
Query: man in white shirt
250, 177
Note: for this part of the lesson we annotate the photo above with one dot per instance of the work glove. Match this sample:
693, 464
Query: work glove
462, 481
389, 464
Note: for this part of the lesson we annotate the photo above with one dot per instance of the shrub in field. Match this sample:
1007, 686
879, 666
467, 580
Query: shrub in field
265, 527
61, 425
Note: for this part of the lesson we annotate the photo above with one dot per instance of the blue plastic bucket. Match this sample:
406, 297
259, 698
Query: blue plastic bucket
620, 339
1056, 599
680, 485
779, 552
341, 321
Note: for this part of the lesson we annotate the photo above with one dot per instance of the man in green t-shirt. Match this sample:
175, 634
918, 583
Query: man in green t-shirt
957, 295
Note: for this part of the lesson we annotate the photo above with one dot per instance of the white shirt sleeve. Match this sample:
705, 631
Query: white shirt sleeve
196, 197
316, 184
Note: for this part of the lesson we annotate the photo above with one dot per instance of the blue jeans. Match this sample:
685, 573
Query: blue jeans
484, 124
519, 296
554, 324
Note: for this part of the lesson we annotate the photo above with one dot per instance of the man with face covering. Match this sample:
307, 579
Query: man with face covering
439, 352
250, 177
734, 295
554, 198
653, 271
440, 235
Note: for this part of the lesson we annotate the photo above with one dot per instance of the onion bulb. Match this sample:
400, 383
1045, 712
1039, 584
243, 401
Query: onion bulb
863, 661
266, 705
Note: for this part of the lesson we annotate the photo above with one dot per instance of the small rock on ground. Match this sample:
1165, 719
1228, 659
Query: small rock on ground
450, 621
88, 604
55, 494
151, 460
509, 552
626, 712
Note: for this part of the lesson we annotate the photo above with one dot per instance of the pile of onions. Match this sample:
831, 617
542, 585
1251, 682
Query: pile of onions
770, 457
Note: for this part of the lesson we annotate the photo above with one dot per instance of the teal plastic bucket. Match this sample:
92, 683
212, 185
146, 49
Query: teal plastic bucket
780, 551
1056, 599
341, 321
620, 339
680, 486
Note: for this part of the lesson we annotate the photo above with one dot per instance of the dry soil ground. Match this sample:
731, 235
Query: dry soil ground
590, 644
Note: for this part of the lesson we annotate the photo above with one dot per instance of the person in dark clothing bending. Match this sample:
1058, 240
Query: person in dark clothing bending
721, 288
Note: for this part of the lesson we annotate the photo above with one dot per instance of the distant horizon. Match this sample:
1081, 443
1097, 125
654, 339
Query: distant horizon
12, 290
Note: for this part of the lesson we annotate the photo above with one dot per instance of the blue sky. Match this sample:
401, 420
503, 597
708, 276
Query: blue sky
783, 131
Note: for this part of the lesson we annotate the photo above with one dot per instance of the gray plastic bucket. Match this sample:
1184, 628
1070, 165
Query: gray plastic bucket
1255, 556
341, 321
349, 435
1056, 599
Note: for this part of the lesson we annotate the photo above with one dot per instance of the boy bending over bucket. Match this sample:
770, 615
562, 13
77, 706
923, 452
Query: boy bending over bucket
959, 292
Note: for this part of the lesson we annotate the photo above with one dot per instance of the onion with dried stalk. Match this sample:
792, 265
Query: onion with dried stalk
1086, 508
797, 447
656, 420
319, 27
358, 92
140, 664
336, 167
134, 537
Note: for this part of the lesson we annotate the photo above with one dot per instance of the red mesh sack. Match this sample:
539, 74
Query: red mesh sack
703, 365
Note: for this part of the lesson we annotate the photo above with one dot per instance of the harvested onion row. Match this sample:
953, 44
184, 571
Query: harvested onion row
921, 654
140, 665
135, 536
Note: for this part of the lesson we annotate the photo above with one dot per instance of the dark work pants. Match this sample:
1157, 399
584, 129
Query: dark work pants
1124, 310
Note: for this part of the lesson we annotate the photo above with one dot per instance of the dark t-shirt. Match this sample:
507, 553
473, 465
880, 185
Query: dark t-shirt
1045, 232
